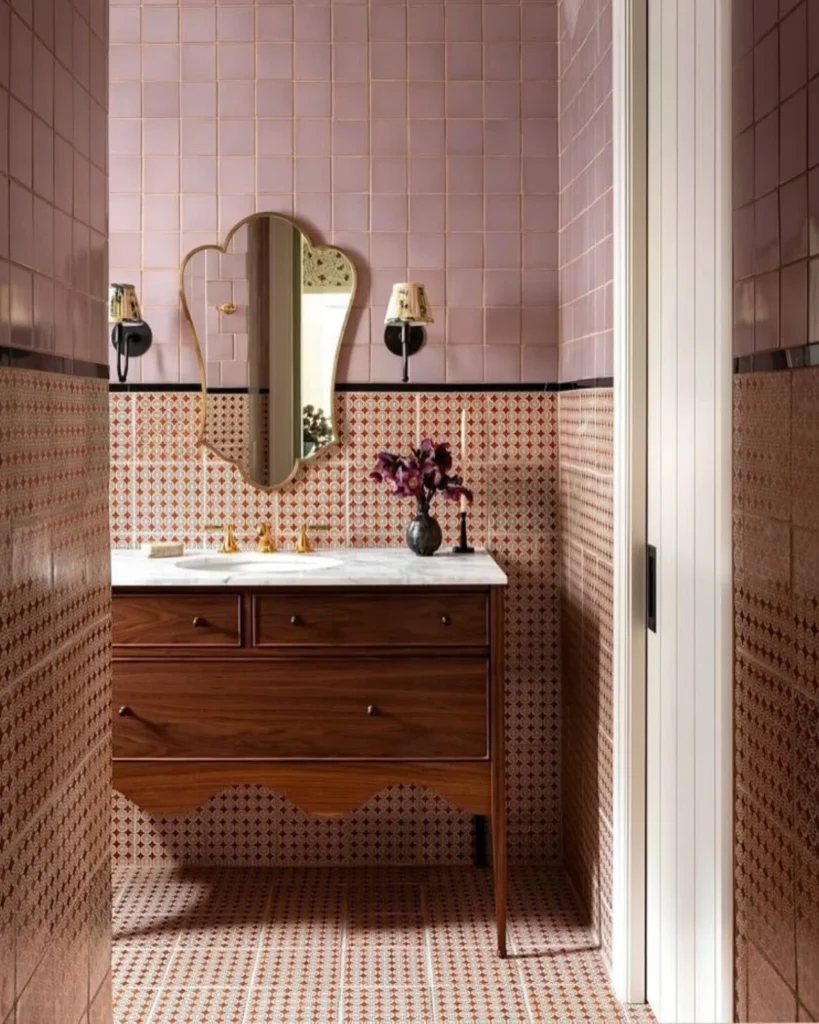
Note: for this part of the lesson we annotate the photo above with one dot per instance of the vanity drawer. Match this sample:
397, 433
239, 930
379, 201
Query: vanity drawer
187, 621
391, 709
304, 618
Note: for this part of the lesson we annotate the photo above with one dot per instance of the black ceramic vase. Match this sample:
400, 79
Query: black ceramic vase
423, 533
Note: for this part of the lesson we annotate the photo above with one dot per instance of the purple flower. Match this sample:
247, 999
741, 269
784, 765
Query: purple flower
426, 472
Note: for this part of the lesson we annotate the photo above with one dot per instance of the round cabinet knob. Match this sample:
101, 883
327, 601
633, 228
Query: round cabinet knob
199, 621
295, 620
372, 709
445, 620
126, 711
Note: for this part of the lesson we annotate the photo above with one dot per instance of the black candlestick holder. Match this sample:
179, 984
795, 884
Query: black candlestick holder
463, 547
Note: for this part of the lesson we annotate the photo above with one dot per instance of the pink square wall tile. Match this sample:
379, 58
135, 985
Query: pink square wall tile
793, 284
464, 363
416, 130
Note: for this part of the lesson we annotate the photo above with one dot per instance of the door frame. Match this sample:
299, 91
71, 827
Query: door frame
630, 156
693, 236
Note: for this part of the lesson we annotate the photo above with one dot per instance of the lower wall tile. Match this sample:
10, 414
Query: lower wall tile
770, 1000
807, 930
585, 598
55, 751
765, 879
163, 486
776, 710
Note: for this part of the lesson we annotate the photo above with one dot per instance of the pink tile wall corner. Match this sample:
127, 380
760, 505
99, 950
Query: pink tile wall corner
586, 183
776, 122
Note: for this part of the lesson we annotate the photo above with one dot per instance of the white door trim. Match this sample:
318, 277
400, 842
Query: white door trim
689, 661
630, 385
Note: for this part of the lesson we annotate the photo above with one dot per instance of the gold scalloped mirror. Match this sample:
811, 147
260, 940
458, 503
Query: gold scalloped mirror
267, 310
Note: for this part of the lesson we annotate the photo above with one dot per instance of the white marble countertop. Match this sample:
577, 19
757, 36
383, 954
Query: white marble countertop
363, 567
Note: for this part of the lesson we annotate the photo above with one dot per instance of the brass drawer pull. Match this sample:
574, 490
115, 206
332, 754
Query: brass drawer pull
372, 709
295, 620
126, 711
445, 619
200, 622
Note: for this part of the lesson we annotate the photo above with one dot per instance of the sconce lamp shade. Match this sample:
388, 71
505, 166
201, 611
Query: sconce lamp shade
407, 310
123, 304
408, 305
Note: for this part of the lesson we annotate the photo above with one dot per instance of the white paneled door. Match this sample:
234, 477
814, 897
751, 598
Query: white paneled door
688, 658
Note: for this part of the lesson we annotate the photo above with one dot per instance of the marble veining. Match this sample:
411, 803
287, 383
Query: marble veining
366, 567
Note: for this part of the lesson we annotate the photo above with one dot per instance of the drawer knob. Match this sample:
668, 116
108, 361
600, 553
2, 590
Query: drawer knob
295, 620
126, 711
372, 709
445, 619
199, 621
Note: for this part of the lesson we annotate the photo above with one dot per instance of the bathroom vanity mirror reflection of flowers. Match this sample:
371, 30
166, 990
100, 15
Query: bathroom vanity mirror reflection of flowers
422, 475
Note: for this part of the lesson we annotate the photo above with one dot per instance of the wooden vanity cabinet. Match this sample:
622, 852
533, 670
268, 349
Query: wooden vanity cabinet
325, 694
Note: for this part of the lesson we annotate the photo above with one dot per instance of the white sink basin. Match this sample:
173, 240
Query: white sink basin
257, 564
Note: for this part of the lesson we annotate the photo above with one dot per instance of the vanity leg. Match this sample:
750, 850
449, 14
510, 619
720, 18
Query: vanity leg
500, 873
498, 783
479, 858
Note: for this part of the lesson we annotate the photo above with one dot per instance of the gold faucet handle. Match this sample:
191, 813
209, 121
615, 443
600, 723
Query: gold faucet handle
303, 543
229, 545
266, 544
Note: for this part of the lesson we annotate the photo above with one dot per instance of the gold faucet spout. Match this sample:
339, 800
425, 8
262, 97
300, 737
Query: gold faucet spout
266, 545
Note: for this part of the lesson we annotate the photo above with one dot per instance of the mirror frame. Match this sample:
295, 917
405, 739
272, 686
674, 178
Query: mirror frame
200, 357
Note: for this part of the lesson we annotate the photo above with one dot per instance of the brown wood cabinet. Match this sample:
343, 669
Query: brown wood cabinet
325, 694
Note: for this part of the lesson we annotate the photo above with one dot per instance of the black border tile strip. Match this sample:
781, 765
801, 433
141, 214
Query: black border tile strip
778, 359
45, 362
575, 385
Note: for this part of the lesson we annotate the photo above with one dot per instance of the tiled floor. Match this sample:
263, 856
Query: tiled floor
396, 946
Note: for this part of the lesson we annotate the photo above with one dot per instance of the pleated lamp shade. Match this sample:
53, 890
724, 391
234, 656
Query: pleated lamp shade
123, 304
408, 305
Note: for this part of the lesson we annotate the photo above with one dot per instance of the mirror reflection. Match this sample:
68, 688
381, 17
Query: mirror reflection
268, 311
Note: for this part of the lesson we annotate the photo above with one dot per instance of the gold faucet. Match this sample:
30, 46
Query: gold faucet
229, 545
265, 545
303, 543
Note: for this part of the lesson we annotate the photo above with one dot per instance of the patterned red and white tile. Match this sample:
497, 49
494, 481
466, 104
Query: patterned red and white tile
211, 966
203, 1005
298, 917
477, 987
762, 408
140, 964
385, 967
764, 885
304, 839
134, 1005
229, 827
376, 1005
306, 967
290, 1005
523, 431
570, 986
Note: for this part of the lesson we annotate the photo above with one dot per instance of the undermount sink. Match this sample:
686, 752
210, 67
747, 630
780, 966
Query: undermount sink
256, 564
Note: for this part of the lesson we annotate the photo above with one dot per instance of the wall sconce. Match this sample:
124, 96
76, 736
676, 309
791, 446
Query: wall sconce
407, 311
131, 336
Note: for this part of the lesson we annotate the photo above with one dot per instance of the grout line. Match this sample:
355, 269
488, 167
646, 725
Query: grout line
428, 952
345, 916
161, 984
512, 952
259, 947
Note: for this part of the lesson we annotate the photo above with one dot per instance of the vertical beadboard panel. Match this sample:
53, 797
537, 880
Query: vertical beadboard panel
689, 747
630, 209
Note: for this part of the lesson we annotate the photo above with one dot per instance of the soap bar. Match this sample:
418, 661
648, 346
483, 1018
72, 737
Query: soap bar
163, 549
